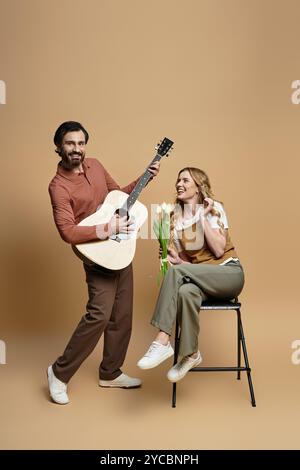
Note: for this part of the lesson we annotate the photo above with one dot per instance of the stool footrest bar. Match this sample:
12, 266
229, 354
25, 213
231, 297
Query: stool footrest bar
224, 369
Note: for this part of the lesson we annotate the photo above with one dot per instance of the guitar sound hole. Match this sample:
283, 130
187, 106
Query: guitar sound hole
122, 213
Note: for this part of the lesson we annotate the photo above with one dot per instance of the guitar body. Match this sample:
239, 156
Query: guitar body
110, 253
117, 252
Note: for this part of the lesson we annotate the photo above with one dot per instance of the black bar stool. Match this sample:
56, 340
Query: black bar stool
241, 345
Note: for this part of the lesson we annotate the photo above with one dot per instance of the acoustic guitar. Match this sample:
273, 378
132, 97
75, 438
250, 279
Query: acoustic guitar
118, 251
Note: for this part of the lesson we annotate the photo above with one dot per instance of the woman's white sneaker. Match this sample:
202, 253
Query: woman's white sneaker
156, 354
182, 367
57, 388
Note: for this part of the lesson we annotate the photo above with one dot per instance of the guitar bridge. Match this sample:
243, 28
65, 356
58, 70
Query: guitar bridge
115, 238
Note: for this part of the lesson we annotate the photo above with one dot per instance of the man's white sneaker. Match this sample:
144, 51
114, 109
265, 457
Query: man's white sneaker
180, 369
156, 354
123, 381
57, 388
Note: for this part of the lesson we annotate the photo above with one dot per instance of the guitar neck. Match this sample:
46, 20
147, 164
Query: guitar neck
139, 186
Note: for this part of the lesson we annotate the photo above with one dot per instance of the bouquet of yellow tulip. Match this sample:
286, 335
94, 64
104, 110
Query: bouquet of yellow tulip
161, 227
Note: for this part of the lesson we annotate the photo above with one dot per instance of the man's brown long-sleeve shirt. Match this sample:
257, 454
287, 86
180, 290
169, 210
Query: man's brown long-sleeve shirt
75, 196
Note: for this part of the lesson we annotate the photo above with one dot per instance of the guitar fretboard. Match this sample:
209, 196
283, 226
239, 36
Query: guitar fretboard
139, 187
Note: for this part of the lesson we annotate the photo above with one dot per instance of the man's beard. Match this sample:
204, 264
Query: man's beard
73, 159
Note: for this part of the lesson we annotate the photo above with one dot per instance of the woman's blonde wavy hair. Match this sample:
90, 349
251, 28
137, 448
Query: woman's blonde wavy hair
203, 184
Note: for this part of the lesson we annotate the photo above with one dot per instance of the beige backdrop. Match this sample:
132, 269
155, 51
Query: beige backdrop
215, 76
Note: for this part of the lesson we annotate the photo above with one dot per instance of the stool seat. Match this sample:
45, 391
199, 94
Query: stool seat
221, 304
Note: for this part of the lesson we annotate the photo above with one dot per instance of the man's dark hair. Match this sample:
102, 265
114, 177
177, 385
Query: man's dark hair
68, 126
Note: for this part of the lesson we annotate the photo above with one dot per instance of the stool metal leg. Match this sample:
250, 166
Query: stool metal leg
176, 348
246, 358
241, 347
238, 347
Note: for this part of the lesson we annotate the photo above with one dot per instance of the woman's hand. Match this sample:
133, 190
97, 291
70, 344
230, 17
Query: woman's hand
208, 205
173, 257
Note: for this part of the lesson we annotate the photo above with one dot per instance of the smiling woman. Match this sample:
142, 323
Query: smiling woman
196, 205
202, 267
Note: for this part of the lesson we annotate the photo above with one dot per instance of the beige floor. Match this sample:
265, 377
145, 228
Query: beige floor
213, 410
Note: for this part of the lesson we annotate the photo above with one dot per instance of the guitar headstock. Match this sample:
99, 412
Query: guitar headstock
164, 146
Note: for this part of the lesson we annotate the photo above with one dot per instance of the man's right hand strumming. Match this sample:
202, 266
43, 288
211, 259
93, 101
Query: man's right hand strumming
119, 224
